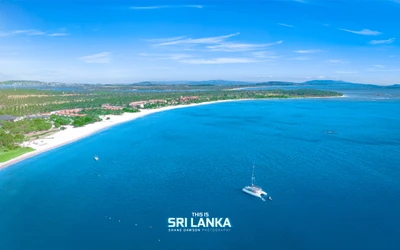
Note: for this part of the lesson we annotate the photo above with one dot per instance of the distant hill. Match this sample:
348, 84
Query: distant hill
325, 82
277, 83
219, 82
312, 82
208, 82
34, 83
22, 82
343, 83
394, 86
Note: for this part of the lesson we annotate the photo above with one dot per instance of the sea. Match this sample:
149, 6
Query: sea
331, 167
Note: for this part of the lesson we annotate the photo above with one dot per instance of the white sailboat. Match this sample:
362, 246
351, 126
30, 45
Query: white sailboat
253, 189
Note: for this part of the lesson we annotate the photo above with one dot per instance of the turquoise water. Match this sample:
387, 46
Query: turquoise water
330, 165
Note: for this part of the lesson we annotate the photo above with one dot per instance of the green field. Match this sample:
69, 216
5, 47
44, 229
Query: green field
5, 156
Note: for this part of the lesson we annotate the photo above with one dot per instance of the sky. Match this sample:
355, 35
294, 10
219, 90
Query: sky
117, 41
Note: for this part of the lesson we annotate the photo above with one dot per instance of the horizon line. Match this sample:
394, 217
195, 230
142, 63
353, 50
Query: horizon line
183, 82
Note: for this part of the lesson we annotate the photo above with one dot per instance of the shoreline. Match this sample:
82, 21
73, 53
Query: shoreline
71, 134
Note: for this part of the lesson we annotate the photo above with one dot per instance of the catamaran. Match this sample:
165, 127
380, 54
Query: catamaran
253, 189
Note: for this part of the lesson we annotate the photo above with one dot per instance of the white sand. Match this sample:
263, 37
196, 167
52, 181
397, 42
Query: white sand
72, 134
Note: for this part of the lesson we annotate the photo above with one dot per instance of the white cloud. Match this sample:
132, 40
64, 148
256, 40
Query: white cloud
58, 34
153, 7
237, 47
335, 61
310, 51
205, 40
285, 25
223, 60
163, 40
388, 41
346, 72
164, 56
389, 70
213, 44
365, 32
263, 54
32, 32
103, 57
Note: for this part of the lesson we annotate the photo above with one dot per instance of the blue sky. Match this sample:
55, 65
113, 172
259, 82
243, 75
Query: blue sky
129, 41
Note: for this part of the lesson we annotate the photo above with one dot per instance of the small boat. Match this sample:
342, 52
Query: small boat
270, 198
96, 158
253, 189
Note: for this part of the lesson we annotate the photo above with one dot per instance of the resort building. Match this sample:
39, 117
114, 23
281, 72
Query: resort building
157, 101
69, 112
188, 98
138, 104
107, 106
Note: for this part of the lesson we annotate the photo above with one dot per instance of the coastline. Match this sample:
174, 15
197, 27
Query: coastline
72, 134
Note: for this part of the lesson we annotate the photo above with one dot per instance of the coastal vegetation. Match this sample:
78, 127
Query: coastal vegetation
60, 120
7, 155
21, 102
26, 126
84, 120
13, 133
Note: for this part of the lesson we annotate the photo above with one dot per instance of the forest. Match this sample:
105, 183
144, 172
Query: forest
19, 102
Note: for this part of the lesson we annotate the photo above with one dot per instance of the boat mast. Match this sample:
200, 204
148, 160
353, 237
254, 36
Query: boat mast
252, 177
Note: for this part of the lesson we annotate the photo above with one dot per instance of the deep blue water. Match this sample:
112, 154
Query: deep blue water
330, 165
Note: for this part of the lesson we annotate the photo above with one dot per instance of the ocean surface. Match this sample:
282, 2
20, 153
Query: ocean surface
331, 166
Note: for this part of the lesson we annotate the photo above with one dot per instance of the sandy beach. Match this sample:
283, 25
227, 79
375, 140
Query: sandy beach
71, 134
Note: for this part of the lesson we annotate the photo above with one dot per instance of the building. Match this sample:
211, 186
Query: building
188, 98
40, 116
157, 101
107, 106
9, 118
138, 104
69, 112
